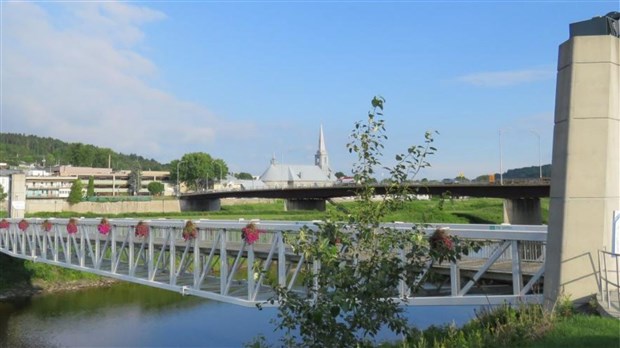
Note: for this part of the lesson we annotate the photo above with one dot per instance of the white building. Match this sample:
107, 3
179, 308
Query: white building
301, 175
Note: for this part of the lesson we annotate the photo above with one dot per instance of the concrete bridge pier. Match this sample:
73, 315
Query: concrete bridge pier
202, 204
585, 180
522, 211
304, 204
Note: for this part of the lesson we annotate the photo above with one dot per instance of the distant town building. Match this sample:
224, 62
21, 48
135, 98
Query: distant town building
279, 175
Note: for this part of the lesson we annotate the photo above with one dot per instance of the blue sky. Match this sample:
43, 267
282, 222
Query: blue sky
247, 80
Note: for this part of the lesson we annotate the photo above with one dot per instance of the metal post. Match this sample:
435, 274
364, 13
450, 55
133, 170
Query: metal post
501, 171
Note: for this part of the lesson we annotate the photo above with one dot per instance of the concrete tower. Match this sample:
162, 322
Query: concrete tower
321, 159
585, 181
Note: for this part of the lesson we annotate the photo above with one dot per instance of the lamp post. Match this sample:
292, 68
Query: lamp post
501, 175
539, 161
178, 187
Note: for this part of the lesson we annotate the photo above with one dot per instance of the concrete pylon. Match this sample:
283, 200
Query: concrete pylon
585, 181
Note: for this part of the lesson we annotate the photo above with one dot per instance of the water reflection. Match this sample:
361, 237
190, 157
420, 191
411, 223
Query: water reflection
127, 315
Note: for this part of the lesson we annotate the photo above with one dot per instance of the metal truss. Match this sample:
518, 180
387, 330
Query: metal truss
219, 265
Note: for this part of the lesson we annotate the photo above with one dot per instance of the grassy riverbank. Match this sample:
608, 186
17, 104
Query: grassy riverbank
527, 326
472, 210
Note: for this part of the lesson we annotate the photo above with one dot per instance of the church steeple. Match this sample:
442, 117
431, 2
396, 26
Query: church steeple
321, 159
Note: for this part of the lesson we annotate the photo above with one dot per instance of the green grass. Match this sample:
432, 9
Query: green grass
472, 210
582, 331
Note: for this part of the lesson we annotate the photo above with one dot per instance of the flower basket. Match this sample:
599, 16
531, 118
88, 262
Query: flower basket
46, 226
23, 225
4, 224
250, 233
190, 231
72, 226
142, 229
441, 245
104, 227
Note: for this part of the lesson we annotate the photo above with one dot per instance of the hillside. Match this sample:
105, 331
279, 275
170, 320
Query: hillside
21, 148
528, 172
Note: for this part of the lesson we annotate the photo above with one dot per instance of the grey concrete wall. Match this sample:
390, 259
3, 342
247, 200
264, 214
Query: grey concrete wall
585, 185
17, 196
59, 205
304, 204
522, 211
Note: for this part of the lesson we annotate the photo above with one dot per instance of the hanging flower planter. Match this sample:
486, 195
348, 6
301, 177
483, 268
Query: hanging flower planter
72, 226
104, 227
46, 226
23, 225
250, 233
142, 229
190, 231
4, 224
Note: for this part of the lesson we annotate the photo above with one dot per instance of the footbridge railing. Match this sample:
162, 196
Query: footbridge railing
219, 264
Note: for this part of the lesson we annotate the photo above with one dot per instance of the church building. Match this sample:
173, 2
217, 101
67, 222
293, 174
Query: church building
301, 175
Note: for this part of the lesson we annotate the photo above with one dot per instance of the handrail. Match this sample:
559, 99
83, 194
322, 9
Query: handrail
604, 279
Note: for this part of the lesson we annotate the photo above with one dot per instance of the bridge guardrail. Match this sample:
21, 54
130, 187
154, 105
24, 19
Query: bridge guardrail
164, 259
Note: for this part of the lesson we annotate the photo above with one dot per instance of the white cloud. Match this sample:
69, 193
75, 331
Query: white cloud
76, 75
506, 78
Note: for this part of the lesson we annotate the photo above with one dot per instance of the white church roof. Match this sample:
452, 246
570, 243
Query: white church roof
293, 173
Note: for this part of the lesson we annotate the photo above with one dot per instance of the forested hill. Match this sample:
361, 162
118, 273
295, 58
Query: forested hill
21, 148
528, 172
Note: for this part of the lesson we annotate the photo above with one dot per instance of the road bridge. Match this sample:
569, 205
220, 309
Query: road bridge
522, 201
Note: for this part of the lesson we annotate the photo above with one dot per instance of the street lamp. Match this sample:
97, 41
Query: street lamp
539, 162
178, 187
501, 175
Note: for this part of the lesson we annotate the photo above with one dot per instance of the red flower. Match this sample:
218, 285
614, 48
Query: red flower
72, 226
46, 226
250, 233
103, 227
440, 241
23, 225
142, 229
4, 224
190, 231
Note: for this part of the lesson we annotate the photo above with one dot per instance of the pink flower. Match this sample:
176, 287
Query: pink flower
72, 226
4, 224
103, 228
250, 233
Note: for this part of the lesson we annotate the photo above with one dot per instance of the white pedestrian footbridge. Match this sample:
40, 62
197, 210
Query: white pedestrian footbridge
219, 264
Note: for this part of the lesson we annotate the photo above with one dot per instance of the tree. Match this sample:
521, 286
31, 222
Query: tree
339, 175
244, 176
135, 181
75, 195
197, 169
155, 188
2, 194
90, 192
352, 272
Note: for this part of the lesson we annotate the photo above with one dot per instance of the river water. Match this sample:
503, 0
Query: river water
128, 315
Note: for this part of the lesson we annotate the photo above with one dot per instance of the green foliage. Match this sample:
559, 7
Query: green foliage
339, 175
135, 181
75, 195
3, 194
244, 176
197, 170
33, 149
155, 188
90, 192
353, 266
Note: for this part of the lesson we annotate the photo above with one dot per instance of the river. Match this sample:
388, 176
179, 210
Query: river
128, 315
